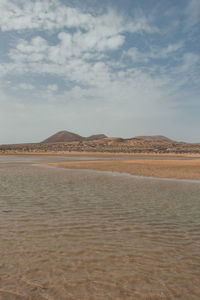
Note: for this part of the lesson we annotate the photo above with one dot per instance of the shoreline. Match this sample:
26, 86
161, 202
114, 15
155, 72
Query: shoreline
174, 169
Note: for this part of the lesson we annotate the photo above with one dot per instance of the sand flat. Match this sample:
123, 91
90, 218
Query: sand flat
181, 169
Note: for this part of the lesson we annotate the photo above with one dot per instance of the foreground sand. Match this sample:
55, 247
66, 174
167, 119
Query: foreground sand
182, 169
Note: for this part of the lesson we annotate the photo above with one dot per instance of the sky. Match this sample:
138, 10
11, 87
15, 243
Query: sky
119, 67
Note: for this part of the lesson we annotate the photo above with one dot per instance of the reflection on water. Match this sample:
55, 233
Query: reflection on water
70, 234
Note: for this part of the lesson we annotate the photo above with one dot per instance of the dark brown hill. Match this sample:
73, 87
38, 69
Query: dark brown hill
64, 136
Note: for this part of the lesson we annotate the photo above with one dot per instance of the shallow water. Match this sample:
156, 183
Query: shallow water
75, 234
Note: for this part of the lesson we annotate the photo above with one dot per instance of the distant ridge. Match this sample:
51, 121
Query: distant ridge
96, 137
155, 138
65, 141
67, 136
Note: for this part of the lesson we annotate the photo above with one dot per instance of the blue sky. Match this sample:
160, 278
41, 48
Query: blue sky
123, 68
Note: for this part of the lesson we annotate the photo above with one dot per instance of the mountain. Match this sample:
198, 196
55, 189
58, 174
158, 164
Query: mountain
66, 136
66, 141
63, 136
154, 138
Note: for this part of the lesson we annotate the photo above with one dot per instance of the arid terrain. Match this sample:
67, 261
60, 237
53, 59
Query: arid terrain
64, 142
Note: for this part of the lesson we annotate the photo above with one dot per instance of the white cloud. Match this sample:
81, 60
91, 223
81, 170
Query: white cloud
136, 55
33, 51
190, 60
52, 87
25, 86
70, 52
71, 57
141, 24
154, 53
52, 14
193, 12
69, 45
46, 14
102, 33
188, 71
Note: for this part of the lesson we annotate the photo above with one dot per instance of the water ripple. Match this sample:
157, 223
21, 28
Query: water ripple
70, 234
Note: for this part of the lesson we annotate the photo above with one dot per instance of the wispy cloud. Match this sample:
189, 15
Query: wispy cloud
170, 51
52, 87
25, 86
51, 15
192, 13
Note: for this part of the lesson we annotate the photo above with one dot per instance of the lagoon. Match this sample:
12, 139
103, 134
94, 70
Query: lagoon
79, 234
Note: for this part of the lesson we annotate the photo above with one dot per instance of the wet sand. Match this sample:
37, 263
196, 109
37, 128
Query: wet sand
165, 168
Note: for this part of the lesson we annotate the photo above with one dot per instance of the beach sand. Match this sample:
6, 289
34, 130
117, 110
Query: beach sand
161, 168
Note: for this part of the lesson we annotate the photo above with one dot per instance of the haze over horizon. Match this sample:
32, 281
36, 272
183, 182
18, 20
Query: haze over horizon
121, 68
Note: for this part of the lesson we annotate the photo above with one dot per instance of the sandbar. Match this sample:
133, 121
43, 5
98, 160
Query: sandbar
163, 168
